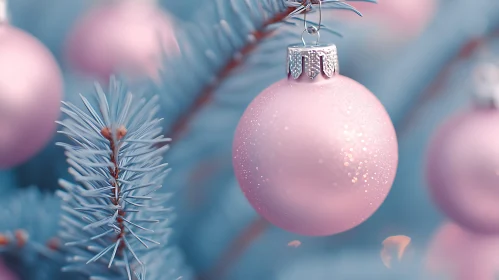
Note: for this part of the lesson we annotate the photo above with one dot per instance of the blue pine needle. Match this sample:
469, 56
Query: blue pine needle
113, 217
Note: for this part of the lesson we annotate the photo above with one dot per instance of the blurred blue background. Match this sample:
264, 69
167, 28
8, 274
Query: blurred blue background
421, 77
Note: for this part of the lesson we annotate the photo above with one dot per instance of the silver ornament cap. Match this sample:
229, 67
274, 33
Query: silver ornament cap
312, 61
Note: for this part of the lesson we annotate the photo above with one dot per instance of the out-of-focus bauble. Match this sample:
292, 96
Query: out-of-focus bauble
463, 169
125, 37
407, 18
458, 254
31, 89
315, 157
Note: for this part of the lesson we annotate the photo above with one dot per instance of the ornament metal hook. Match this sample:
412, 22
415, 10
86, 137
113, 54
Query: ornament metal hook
312, 29
312, 60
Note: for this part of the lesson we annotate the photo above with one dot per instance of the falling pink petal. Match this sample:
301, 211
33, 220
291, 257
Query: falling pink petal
294, 243
399, 242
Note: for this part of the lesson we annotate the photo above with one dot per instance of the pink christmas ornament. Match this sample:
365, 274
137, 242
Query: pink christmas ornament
30, 94
126, 37
315, 154
405, 17
462, 255
463, 169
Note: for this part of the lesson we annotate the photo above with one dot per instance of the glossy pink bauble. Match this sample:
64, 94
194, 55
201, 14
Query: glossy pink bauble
463, 255
408, 17
463, 169
315, 158
30, 94
122, 37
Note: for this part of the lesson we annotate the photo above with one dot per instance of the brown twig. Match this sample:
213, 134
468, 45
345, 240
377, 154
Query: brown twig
207, 93
435, 87
121, 132
236, 249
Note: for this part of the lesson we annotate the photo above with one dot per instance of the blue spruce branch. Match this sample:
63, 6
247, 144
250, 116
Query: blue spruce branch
113, 217
28, 224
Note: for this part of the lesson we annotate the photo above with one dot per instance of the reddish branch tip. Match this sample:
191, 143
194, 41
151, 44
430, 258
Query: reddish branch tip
120, 133
54, 244
106, 133
21, 237
4, 241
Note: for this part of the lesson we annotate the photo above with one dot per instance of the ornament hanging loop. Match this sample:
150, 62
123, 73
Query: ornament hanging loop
312, 60
312, 29
316, 33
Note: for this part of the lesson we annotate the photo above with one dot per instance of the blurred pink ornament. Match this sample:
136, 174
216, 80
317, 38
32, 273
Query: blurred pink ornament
315, 156
405, 17
463, 255
31, 89
126, 37
463, 169
5, 273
